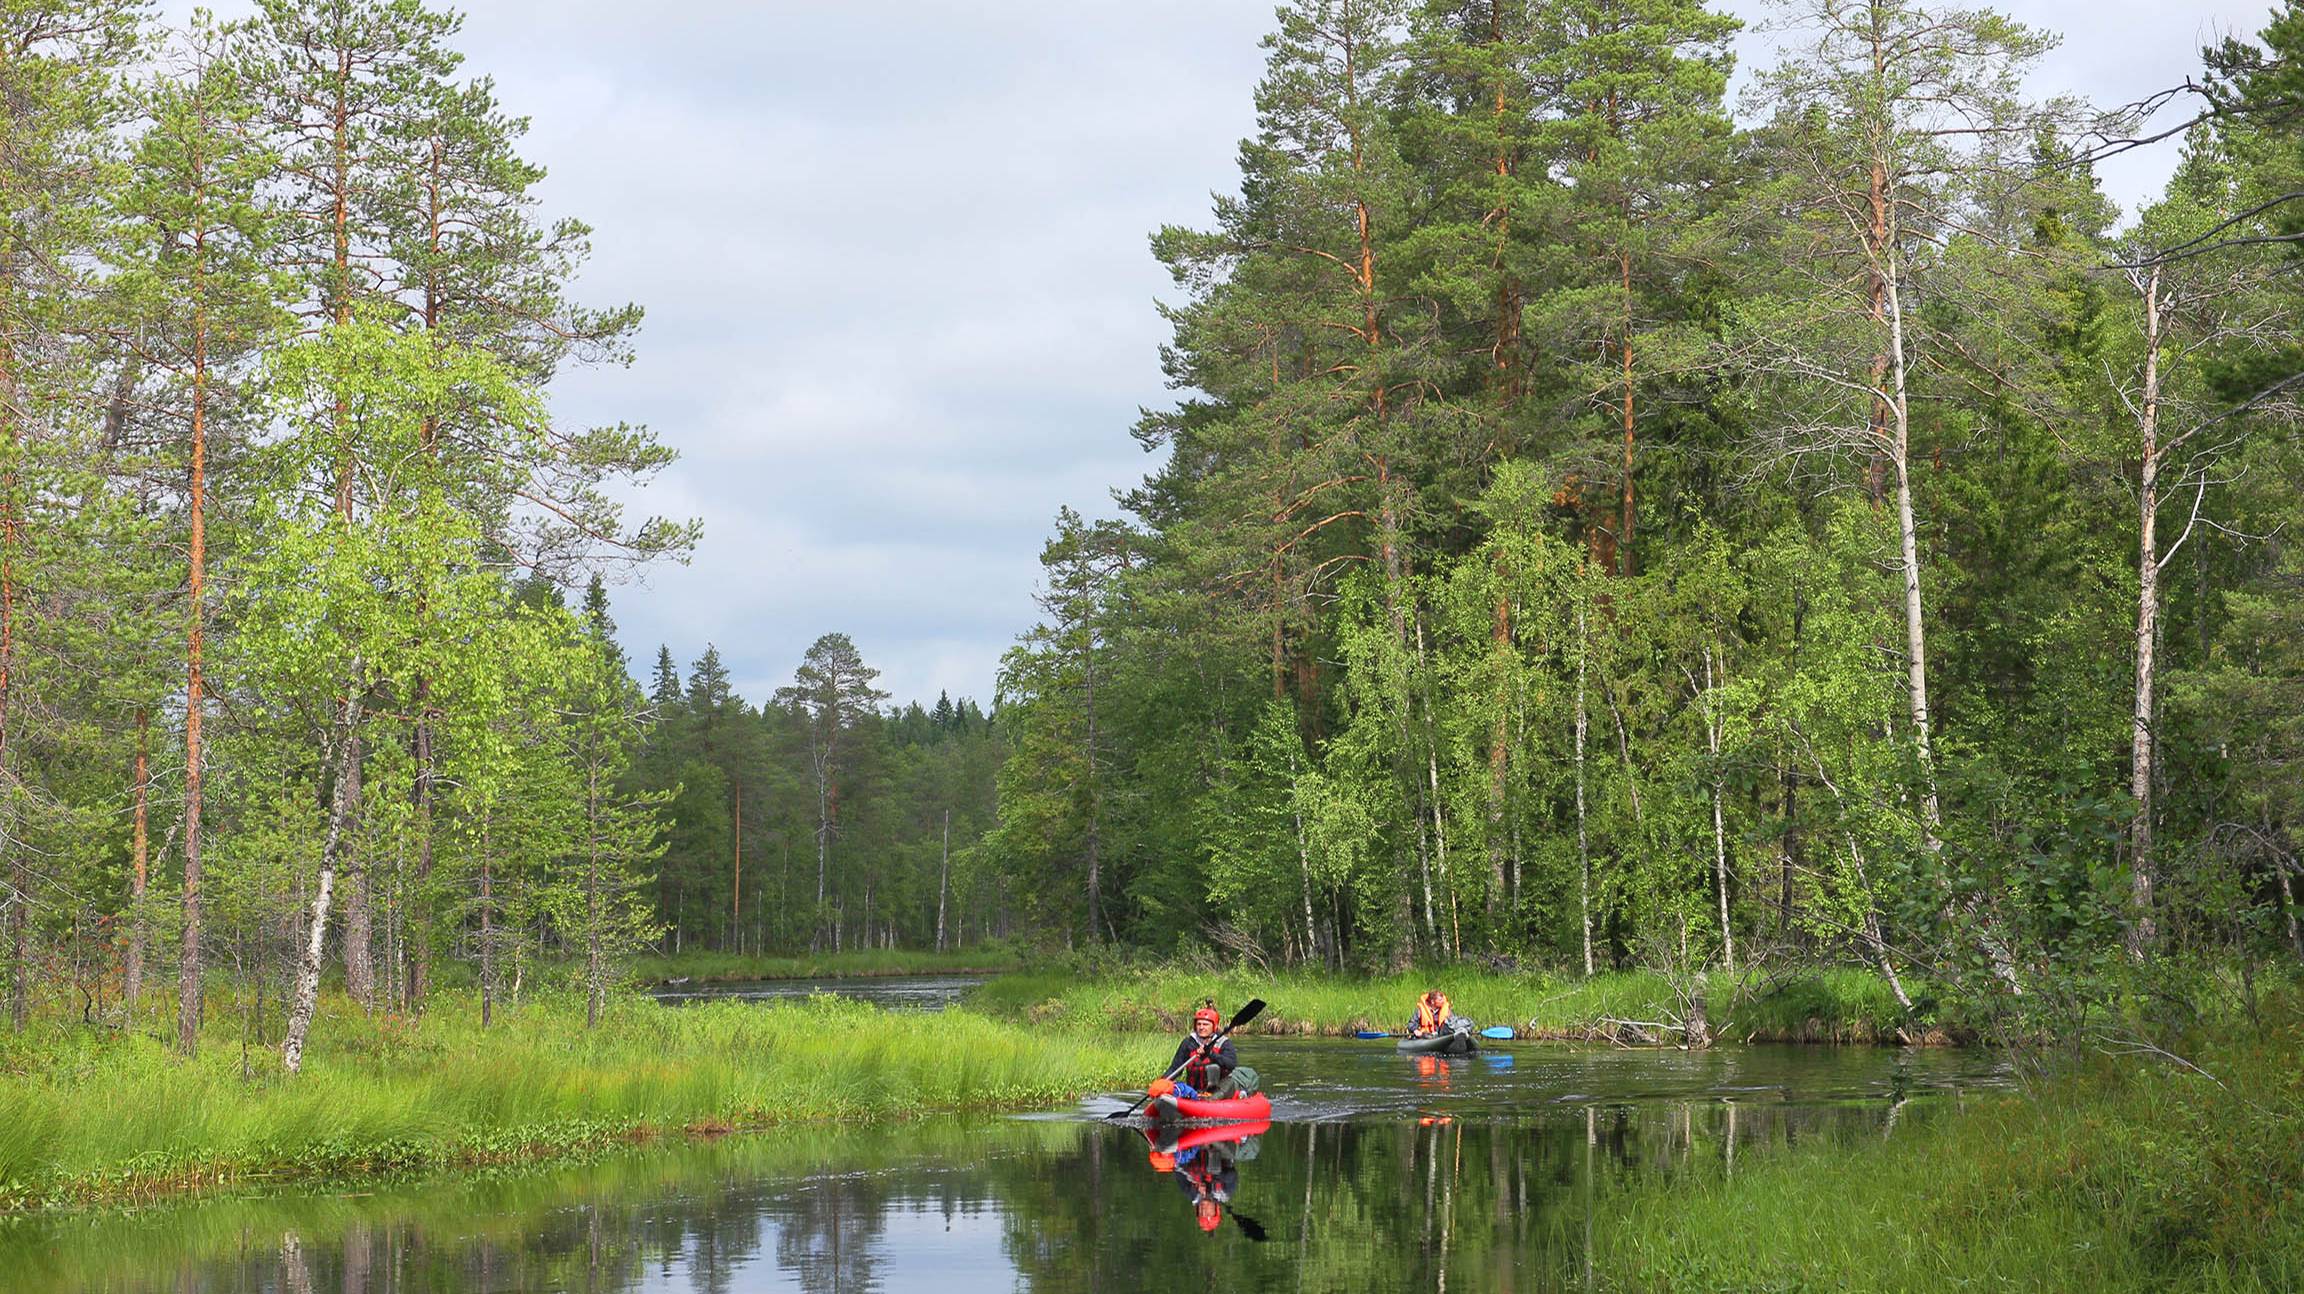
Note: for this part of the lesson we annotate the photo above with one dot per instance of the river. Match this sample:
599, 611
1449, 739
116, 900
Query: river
1379, 1172
896, 992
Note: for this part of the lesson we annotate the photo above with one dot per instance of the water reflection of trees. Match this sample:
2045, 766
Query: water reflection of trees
1396, 1205
829, 1233
1486, 1200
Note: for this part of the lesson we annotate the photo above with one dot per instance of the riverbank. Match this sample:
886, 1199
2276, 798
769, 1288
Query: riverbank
870, 963
1840, 1006
89, 1117
2128, 1173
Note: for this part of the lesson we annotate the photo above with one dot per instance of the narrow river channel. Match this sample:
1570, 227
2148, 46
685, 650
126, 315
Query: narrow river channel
1379, 1172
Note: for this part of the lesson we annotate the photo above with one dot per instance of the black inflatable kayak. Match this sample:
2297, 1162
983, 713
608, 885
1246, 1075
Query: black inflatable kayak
1441, 1044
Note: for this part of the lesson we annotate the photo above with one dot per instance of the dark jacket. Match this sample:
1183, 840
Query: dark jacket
1206, 1074
1215, 1175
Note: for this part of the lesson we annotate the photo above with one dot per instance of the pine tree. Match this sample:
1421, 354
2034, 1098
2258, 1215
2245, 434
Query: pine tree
202, 237
1641, 141
833, 689
57, 113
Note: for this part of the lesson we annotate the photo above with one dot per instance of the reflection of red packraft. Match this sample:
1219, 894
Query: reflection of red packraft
1175, 1141
1171, 1108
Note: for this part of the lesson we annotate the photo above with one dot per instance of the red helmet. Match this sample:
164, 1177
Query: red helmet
1207, 1013
1211, 1215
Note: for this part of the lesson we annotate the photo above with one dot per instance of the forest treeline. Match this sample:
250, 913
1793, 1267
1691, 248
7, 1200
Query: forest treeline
1595, 528
820, 820
1599, 528
288, 529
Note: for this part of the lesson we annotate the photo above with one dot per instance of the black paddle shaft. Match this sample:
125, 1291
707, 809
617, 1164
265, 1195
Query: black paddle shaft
1249, 1012
1249, 1226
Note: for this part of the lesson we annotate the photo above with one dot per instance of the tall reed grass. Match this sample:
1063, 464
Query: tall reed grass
83, 1115
1824, 1006
2128, 1174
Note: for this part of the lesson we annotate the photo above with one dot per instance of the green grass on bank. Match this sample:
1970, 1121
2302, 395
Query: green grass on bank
518, 1211
2133, 1173
86, 1115
1823, 1006
719, 967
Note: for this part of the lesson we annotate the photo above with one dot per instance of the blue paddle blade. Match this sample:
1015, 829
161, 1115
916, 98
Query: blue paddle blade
1497, 1031
1499, 1059
1371, 1033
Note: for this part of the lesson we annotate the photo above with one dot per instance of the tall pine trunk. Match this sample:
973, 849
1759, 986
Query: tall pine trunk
195, 681
19, 870
1624, 521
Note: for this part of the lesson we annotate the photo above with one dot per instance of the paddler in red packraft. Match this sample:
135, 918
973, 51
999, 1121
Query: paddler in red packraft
1211, 1073
1208, 1174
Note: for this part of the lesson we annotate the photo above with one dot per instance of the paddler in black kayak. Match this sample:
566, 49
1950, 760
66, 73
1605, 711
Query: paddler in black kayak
1210, 1073
1432, 1013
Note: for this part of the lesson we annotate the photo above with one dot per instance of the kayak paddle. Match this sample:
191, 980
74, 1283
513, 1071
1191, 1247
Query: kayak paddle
1249, 1012
1370, 1033
1497, 1031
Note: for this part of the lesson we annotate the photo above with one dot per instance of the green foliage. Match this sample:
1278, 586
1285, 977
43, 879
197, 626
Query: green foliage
1594, 535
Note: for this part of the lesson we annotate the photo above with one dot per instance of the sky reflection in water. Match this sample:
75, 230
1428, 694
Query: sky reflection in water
1384, 1172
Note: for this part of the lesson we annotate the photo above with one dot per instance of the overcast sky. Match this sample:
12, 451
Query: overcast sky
900, 304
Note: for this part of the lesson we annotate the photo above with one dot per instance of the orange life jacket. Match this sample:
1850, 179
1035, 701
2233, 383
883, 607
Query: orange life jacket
1431, 1013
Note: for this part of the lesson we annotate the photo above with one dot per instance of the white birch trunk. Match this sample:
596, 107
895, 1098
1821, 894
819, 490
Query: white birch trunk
2141, 928
1915, 622
943, 880
1908, 540
1304, 864
339, 810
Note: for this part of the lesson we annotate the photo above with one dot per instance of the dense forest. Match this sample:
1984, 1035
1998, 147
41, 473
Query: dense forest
1597, 527
288, 529
1600, 529
847, 825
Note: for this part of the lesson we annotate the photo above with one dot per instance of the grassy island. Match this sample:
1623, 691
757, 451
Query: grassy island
88, 1116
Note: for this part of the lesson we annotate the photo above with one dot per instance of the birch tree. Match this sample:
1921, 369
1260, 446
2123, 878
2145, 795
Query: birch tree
332, 580
2194, 318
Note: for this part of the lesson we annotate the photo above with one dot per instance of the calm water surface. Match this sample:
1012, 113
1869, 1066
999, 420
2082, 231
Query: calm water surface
896, 992
1381, 1172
